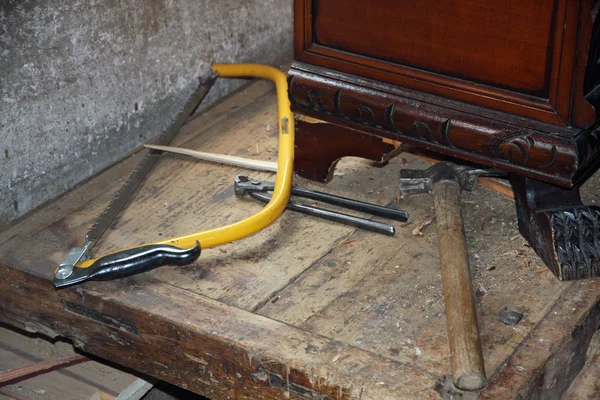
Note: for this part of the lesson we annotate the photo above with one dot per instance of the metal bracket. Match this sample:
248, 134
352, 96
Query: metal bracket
75, 255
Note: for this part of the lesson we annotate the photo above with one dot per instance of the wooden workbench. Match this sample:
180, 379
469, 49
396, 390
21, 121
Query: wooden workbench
306, 308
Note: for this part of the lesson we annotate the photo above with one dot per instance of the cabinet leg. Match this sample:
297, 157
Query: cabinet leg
320, 145
564, 232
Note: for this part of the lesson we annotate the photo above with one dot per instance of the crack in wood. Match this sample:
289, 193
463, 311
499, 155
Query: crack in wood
100, 318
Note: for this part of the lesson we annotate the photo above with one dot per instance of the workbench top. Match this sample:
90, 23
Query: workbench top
306, 308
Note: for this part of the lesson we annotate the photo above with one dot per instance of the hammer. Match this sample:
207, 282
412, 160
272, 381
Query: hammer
445, 181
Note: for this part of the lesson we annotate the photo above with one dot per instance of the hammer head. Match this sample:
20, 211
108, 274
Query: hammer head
414, 181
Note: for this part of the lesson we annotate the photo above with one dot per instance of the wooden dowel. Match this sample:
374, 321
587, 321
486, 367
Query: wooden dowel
219, 158
20, 374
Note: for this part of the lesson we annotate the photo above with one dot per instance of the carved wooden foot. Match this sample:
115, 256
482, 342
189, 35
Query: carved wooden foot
320, 145
564, 232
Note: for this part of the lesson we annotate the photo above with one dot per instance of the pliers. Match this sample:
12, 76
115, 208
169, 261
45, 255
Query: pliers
244, 184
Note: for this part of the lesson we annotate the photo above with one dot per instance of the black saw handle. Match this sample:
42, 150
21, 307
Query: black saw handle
130, 262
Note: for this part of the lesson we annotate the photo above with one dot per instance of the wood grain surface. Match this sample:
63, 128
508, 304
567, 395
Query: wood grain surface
305, 307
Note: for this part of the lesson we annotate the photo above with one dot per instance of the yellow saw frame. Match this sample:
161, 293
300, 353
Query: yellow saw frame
184, 249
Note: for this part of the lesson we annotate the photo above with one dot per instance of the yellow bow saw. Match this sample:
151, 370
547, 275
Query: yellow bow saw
184, 249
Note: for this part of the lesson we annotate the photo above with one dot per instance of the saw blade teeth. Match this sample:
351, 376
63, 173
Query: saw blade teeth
111, 205
122, 196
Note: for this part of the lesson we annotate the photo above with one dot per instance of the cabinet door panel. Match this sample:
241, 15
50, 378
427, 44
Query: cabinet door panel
502, 43
521, 57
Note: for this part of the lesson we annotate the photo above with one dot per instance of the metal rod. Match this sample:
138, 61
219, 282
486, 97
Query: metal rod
356, 205
357, 222
248, 184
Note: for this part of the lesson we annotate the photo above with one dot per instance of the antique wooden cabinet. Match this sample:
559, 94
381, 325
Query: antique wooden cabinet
511, 84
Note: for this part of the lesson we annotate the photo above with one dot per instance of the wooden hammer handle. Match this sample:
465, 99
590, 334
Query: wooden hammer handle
461, 317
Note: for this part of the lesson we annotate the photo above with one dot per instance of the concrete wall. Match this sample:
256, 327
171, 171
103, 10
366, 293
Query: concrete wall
82, 82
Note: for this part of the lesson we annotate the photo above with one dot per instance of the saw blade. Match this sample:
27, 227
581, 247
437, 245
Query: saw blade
148, 162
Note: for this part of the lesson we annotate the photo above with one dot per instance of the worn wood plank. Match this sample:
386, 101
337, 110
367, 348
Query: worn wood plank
319, 287
43, 367
388, 300
174, 201
36, 349
222, 110
587, 383
548, 359
47, 386
215, 349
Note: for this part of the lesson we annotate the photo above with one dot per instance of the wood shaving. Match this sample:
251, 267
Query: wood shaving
418, 230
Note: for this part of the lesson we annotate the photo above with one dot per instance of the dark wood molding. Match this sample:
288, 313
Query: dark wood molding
237, 355
543, 155
588, 144
320, 145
